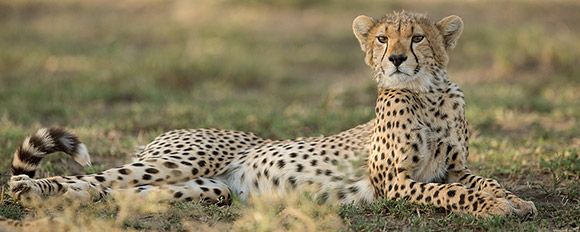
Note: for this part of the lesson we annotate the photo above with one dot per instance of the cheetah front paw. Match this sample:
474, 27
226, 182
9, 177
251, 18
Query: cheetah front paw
523, 208
23, 188
487, 205
526, 208
500, 207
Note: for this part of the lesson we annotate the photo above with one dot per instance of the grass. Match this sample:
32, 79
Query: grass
120, 73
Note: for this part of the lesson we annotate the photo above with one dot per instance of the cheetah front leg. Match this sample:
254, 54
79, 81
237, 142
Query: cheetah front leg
492, 187
397, 183
392, 164
457, 172
453, 197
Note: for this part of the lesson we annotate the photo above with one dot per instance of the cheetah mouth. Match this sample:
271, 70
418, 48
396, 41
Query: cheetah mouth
398, 73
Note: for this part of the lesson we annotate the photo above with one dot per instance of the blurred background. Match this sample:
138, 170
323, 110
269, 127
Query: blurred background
118, 73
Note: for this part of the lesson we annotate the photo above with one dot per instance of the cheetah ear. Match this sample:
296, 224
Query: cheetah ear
450, 28
361, 27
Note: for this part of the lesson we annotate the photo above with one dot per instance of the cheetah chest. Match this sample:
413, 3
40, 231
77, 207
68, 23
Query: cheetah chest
444, 122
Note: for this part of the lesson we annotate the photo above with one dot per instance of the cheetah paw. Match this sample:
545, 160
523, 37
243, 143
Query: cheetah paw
502, 207
23, 188
523, 208
526, 208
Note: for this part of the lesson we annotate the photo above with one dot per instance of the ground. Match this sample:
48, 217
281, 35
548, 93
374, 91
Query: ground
120, 73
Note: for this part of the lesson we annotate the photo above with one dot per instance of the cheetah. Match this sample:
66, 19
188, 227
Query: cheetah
419, 146
415, 149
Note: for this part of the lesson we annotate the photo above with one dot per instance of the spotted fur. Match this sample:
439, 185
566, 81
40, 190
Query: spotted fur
416, 148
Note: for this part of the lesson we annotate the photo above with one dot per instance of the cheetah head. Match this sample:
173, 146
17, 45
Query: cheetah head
407, 50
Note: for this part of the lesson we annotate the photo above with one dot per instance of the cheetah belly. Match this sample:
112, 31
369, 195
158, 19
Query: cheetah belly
236, 182
245, 181
314, 168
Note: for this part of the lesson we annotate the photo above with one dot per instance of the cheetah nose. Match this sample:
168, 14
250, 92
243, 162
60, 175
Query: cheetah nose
397, 59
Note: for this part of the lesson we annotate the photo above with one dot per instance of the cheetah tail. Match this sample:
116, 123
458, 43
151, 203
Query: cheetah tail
46, 141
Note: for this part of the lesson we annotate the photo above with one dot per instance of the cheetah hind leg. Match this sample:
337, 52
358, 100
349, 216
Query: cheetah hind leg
31, 191
199, 189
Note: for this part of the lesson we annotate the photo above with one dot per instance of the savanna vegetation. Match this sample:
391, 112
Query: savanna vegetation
119, 73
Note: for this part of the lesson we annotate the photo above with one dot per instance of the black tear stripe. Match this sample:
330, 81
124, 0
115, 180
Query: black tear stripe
384, 53
413, 52
386, 47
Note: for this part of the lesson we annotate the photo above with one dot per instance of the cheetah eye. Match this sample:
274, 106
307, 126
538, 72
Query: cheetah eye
382, 39
418, 38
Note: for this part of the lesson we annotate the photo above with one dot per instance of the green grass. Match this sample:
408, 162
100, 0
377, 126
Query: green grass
120, 73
